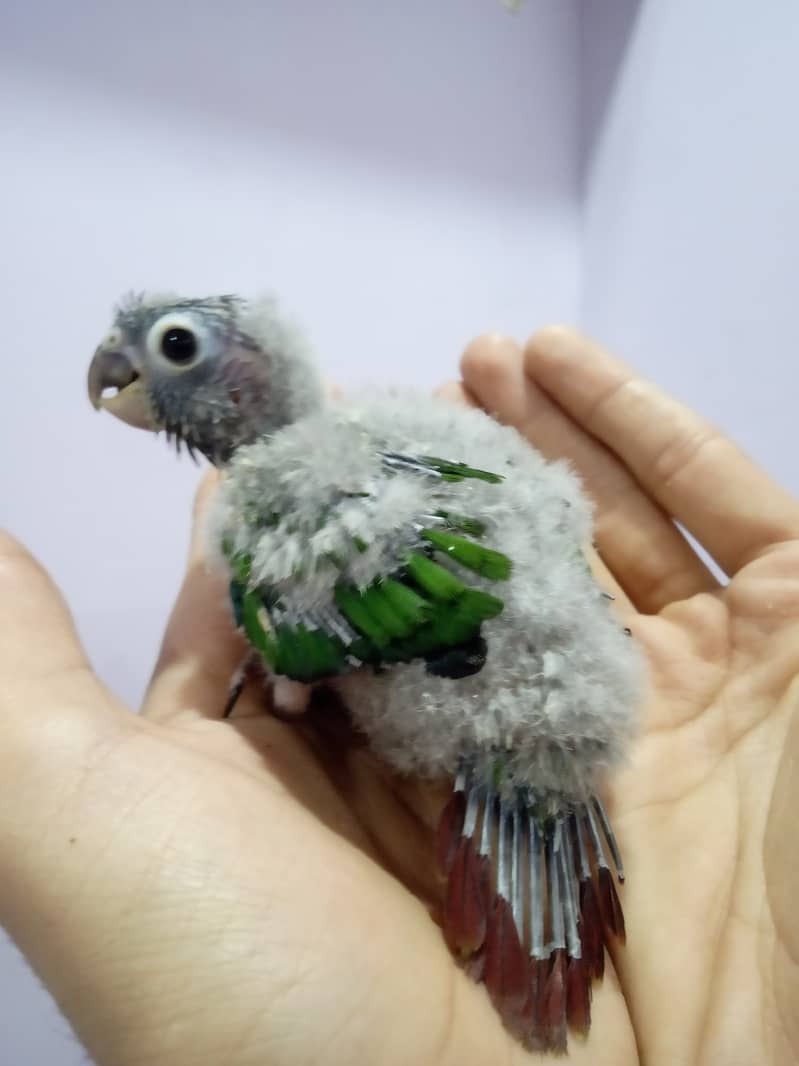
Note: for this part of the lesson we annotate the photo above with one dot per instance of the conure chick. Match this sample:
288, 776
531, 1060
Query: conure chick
428, 564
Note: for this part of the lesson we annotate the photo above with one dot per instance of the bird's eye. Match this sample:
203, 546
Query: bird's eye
178, 341
178, 345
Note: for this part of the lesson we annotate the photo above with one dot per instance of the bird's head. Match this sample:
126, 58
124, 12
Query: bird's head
213, 373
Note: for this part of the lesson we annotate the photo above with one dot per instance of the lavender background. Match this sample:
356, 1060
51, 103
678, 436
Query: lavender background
405, 175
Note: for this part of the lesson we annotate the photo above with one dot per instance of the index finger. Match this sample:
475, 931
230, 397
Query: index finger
699, 476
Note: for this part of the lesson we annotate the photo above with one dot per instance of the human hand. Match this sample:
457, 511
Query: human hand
248, 891
706, 811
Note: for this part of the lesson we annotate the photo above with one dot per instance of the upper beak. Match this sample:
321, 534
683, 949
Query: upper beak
114, 369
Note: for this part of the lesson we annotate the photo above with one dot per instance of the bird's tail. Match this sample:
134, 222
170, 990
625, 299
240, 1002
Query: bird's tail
530, 903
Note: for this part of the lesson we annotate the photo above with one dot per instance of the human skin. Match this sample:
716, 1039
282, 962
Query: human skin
257, 892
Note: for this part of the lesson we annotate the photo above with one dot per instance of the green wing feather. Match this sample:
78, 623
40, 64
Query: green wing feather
422, 610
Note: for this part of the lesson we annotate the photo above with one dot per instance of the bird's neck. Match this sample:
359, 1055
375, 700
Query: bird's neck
294, 392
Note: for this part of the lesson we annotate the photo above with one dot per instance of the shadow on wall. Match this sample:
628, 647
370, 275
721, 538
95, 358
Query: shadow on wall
606, 30
413, 84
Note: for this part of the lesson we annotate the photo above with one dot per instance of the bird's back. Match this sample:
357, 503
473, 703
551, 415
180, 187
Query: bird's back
327, 514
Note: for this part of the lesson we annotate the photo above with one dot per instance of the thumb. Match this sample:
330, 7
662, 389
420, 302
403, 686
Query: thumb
53, 713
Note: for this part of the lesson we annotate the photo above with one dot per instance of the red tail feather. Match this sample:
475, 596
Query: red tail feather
450, 827
591, 935
554, 869
506, 972
554, 1004
466, 905
578, 996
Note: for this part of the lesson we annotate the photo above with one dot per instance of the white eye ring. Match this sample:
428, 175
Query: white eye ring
113, 338
180, 359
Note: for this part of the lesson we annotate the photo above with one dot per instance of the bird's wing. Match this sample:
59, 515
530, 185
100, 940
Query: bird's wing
427, 604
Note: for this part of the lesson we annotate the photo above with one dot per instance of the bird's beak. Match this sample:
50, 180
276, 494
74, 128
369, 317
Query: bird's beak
113, 369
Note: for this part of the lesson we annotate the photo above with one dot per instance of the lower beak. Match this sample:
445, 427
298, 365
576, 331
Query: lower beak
114, 385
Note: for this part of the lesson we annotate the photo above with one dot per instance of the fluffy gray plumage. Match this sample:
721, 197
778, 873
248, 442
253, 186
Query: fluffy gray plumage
556, 698
561, 682
327, 520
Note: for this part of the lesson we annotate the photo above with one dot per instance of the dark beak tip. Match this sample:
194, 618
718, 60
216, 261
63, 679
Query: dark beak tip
114, 368
108, 369
115, 385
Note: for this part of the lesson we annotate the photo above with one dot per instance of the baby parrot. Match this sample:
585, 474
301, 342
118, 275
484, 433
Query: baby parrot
427, 563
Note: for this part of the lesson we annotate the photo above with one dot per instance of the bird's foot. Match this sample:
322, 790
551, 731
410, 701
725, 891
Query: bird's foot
244, 672
290, 699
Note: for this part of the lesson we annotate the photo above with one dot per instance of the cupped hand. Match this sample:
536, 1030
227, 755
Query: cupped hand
250, 891
705, 809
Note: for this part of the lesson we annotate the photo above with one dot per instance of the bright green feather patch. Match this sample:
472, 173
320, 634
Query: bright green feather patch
483, 561
458, 471
426, 608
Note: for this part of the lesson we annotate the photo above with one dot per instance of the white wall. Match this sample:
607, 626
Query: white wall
403, 183
691, 238
405, 174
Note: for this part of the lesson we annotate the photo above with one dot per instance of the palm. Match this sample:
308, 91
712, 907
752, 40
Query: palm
275, 882
705, 833
700, 931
